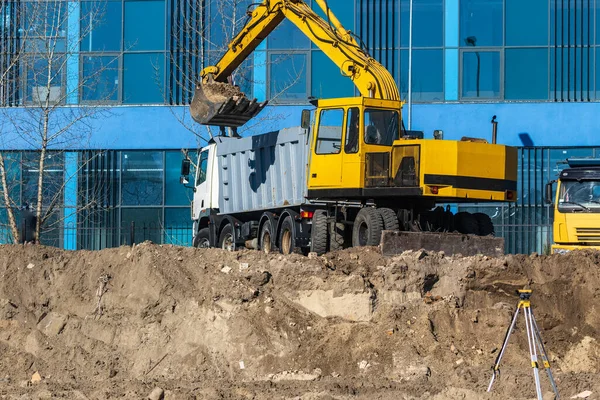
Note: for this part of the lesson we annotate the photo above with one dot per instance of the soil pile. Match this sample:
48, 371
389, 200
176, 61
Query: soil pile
208, 324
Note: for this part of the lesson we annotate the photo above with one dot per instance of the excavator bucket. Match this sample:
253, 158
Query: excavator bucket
221, 104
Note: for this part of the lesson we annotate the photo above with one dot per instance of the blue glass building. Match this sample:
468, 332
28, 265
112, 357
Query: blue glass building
534, 64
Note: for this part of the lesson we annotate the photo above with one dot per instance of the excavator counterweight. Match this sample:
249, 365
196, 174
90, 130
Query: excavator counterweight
222, 104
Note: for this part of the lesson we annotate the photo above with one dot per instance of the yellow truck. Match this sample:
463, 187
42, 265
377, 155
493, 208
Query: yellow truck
348, 172
576, 206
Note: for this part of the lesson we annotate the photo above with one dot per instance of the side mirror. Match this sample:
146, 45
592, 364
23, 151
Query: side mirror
305, 120
185, 167
549, 192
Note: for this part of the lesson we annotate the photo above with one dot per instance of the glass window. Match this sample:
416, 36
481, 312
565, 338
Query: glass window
101, 25
100, 78
428, 23
381, 127
45, 78
288, 77
175, 193
327, 80
329, 139
352, 131
144, 25
378, 24
428, 75
526, 74
45, 18
146, 224
526, 23
178, 226
53, 178
287, 36
481, 22
143, 78
570, 83
224, 22
12, 166
202, 168
480, 74
142, 178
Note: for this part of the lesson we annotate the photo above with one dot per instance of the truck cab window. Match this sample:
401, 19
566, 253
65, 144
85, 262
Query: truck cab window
202, 166
381, 127
329, 137
576, 196
352, 125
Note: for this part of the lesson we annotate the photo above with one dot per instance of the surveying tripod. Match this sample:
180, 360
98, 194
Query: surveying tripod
534, 338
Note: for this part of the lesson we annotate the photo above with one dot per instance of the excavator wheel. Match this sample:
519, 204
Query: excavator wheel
367, 228
222, 104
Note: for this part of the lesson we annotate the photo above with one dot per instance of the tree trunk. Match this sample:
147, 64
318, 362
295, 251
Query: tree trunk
9, 209
41, 178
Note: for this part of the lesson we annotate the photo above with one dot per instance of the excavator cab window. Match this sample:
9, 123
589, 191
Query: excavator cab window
352, 131
329, 135
381, 127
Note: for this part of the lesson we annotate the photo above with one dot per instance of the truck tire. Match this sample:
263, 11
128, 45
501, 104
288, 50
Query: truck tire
390, 219
486, 226
466, 223
202, 239
226, 240
319, 233
287, 239
337, 236
266, 239
367, 228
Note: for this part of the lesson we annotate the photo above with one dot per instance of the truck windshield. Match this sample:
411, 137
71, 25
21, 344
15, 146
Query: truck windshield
381, 126
579, 196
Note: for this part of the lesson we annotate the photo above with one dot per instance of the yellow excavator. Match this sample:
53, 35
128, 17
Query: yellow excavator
363, 173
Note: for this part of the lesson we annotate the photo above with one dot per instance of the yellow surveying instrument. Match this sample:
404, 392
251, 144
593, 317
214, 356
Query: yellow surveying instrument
534, 338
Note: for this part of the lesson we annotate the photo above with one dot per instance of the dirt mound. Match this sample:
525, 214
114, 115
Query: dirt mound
208, 324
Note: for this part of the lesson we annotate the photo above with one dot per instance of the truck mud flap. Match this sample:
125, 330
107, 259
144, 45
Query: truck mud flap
395, 242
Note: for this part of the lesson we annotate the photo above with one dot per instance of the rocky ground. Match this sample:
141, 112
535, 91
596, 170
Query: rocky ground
208, 324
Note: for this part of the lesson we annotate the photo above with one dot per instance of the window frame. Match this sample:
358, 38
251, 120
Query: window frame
342, 128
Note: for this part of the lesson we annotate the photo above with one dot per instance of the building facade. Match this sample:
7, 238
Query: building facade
112, 78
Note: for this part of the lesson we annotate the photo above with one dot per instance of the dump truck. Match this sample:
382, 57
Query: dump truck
576, 206
348, 172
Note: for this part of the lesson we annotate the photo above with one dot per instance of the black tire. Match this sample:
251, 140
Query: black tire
265, 239
226, 239
319, 233
202, 239
367, 228
486, 226
287, 238
390, 219
466, 223
337, 236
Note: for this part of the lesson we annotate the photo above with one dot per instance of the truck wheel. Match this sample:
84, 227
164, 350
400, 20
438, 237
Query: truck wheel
201, 240
265, 237
367, 228
466, 223
390, 219
318, 233
226, 241
287, 239
486, 226
337, 236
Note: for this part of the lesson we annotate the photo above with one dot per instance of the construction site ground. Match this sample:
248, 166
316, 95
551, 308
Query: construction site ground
188, 323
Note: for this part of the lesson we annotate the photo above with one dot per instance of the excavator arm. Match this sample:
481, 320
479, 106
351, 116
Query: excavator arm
218, 103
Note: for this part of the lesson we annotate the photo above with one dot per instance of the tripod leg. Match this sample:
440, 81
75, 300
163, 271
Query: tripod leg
496, 367
544, 356
533, 350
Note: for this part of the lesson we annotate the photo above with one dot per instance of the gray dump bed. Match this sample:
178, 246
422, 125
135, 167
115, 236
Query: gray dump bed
262, 172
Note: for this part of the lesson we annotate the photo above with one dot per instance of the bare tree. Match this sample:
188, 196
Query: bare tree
47, 100
200, 35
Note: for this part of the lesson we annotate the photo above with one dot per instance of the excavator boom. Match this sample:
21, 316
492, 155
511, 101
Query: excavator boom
216, 102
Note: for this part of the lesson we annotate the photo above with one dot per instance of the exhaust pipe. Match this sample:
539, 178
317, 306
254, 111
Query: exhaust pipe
494, 130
